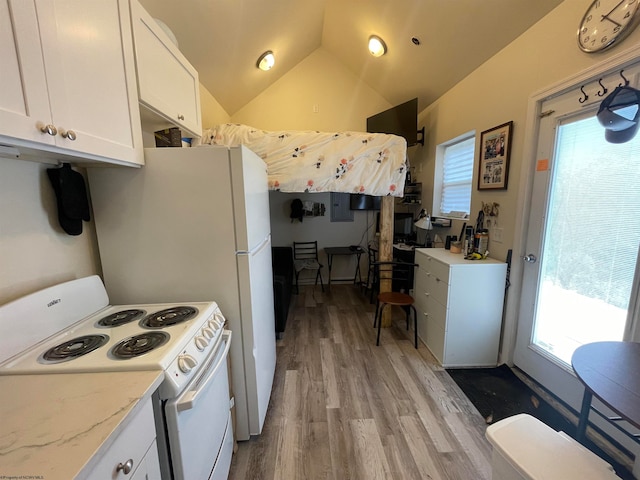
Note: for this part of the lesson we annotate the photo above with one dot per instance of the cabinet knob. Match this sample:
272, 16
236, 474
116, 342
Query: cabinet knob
180, 117
49, 129
69, 135
125, 467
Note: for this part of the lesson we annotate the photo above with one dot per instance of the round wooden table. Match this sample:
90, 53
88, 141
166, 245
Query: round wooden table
611, 372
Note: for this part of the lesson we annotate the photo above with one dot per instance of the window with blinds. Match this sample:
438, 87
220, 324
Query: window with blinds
456, 174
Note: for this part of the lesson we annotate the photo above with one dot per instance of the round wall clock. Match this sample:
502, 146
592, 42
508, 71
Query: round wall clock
606, 23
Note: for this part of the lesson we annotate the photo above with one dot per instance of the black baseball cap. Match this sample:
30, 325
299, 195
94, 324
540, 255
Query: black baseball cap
619, 114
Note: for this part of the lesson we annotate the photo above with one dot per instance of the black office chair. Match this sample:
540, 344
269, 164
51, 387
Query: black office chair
305, 257
401, 276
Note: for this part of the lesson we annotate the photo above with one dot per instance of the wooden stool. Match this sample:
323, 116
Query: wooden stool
399, 300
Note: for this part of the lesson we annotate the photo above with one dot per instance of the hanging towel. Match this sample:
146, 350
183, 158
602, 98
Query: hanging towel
71, 196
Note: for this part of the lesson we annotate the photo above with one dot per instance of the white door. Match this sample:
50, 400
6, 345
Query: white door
258, 331
583, 238
250, 198
24, 100
197, 419
87, 49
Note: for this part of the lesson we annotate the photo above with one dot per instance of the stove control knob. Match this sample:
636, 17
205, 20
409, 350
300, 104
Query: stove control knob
208, 333
186, 363
201, 342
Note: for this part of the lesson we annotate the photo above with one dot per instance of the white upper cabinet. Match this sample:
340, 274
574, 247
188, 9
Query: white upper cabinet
67, 87
168, 85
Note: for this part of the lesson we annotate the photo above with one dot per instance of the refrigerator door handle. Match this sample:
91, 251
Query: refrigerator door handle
258, 248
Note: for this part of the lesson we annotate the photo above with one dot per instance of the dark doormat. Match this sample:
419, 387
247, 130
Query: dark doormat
498, 393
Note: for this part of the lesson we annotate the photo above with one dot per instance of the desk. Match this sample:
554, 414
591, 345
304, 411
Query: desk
331, 251
611, 372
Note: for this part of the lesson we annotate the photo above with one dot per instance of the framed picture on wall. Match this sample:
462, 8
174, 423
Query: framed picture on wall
495, 150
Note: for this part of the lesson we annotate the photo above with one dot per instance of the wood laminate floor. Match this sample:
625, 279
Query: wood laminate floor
342, 408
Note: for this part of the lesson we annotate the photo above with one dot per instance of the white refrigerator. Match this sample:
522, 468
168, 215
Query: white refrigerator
193, 225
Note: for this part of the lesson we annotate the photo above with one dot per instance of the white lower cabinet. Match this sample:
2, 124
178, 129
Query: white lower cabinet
459, 304
133, 454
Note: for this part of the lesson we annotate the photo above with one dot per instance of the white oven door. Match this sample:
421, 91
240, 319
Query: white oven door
197, 421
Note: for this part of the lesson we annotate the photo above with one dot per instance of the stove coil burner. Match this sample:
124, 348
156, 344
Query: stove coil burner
139, 345
74, 348
168, 317
121, 318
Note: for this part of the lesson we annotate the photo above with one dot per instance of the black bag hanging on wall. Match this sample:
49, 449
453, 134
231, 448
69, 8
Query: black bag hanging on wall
297, 210
71, 196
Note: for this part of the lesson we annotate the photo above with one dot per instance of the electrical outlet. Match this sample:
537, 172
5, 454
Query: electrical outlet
497, 235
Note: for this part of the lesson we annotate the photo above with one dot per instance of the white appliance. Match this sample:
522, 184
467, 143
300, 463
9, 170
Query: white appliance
524, 448
192, 224
71, 327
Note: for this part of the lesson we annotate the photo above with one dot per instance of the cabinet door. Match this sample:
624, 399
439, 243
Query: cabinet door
149, 467
134, 445
88, 58
168, 84
24, 101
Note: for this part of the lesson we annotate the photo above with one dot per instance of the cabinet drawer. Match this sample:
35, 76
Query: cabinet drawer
435, 268
131, 444
438, 289
436, 341
436, 313
421, 282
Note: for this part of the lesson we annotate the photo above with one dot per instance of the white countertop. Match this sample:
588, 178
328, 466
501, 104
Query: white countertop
56, 426
455, 258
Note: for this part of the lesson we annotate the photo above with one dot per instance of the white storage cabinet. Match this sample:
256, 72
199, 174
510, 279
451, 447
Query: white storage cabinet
459, 304
168, 85
133, 454
67, 87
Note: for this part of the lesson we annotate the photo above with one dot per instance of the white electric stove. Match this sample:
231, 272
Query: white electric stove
71, 328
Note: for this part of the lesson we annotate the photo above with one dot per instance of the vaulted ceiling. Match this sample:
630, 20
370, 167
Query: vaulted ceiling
224, 38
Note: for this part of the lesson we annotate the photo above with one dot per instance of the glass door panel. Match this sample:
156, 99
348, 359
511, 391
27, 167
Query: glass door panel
591, 240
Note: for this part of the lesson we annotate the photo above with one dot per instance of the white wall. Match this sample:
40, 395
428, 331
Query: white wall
343, 101
212, 111
34, 251
327, 233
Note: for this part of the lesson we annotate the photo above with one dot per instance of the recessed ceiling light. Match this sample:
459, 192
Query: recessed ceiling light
266, 61
377, 47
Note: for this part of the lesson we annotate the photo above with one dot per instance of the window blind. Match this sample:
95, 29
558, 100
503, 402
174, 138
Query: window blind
457, 175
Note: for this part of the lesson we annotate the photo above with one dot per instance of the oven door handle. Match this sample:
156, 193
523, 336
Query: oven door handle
190, 398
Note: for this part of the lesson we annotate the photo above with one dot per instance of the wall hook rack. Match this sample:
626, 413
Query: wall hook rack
603, 92
585, 97
626, 82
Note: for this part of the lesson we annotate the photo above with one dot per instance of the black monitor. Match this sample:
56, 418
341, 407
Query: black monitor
402, 226
364, 202
401, 120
